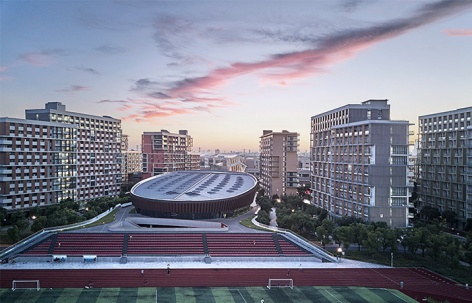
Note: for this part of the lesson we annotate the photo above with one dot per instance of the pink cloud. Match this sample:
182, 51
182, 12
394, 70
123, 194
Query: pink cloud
3, 68
458, 32
280, 69
149, 109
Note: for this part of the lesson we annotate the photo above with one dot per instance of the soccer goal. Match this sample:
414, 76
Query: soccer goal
280, 283
25, 284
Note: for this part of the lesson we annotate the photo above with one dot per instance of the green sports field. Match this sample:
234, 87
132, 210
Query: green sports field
206, 295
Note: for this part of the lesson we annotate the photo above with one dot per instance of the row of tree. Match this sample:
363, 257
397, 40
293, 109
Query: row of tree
313, 223
65, 213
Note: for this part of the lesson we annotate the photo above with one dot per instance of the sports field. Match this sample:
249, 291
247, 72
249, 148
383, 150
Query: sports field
206, 295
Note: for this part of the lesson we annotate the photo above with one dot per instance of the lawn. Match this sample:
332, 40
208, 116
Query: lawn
206, 295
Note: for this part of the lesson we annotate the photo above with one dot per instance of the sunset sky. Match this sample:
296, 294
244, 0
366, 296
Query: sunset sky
226, 70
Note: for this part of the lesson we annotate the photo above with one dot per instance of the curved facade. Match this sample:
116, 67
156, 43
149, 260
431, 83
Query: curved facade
194, 194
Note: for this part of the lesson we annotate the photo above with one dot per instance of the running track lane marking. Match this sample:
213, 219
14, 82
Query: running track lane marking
333, 296
239, 293
394, 294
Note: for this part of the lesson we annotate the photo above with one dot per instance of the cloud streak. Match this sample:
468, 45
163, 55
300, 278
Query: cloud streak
458, 32
284, 67
42, 58
89, 70
72, 89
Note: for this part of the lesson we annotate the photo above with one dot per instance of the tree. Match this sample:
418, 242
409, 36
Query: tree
3, 215
359, 234
37, 225
263, 217
266, 204
13, 233
324, 231
374, 242
430, 213
436, 243
468, 225
343, 235
388, 239
451, 217
18, 218
452, 249
412, 240
35, 211
424, 235
302, 222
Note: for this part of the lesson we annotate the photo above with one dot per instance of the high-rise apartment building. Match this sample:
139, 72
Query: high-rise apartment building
360, 163
131, 163
443, 160
468, 200
279, 162
168, 152
98, 149
37, 163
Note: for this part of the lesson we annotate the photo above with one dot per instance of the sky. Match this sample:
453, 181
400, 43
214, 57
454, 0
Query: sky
226, 70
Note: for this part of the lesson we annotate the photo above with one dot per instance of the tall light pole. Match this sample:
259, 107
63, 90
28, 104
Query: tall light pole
391, 259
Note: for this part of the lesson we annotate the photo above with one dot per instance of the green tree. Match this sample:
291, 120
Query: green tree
324, 231
266, 204
452, 249
13, 233
3, 215
430, 213
302, 222
263, 217
451, 217
37, 225
436, 243
412, 240
374, 242
18, 218
343, 235
359, 234
424, 235
35, 211
388, 239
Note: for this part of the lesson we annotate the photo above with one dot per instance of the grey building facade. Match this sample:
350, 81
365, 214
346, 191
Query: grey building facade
359, 163
444, 162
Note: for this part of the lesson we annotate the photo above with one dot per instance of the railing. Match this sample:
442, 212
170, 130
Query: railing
299, 240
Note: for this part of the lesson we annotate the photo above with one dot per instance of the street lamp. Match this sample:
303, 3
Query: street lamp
340, 251
391, 259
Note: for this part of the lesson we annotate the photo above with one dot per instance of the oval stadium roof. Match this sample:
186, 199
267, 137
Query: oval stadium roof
194, 186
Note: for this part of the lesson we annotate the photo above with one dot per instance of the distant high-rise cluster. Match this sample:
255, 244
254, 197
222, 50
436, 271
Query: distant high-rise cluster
361, 163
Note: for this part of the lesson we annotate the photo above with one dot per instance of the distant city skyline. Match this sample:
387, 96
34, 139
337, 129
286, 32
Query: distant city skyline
227, 70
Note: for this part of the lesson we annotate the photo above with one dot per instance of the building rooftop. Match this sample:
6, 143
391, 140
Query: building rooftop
194, 186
